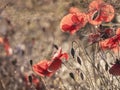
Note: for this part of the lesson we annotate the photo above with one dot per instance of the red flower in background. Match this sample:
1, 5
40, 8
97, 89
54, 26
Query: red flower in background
115, 69
6, 45
73, 21
35, 81
100, 12
48, 68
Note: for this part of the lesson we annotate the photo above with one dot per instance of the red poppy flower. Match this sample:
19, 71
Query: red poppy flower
73, 22
111, 43
100, 12
48, 68
115, 69
56, 60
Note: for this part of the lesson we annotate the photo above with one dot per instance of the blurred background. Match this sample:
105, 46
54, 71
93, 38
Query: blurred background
31, 29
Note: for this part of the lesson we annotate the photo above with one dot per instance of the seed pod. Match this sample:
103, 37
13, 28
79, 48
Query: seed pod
72, 52
82, 76
78, 60
55, 46
31, 62
72, 75
30, 79
106, 66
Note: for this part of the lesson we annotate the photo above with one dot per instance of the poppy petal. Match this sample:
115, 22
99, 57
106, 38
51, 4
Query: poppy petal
107, 13
65, 55
118, 31
74, 10
41, 68
55, 65
57, 54
96, 4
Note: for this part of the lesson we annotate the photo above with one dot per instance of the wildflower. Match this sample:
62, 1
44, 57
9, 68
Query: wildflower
112, 42
99, 12
73, 21
115, 69
48, 68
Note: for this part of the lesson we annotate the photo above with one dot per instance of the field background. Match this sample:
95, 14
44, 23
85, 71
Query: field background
39, 20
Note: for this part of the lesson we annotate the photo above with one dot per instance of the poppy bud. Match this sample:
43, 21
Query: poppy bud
72, 52
72, 75
106, 66
30, 79
78, 60
82, 76
55, 46
31, 62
